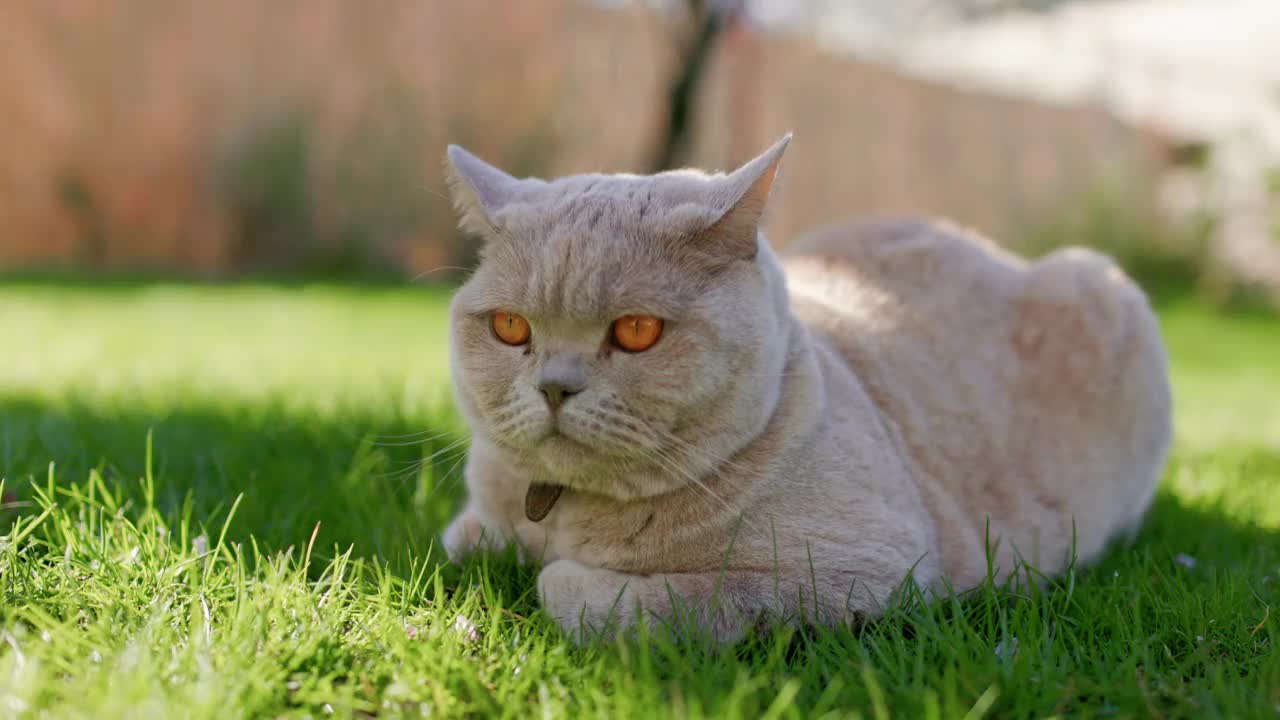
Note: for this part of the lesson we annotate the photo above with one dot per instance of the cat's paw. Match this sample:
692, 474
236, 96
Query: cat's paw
468, 534
588, 602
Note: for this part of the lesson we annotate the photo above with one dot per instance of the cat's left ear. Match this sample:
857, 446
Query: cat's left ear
479, 190
743, 194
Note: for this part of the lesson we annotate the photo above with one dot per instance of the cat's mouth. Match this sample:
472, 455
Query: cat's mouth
558, 435
556, 438
564, 455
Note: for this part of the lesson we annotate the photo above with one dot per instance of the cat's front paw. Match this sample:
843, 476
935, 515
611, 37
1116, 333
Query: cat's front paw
588, 602
468, 534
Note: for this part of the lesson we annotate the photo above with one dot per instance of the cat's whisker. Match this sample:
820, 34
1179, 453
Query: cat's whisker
671, 439
417, 465
674, 467
669, 465
447, 479
425, 273
432, 191
658, 437
793, 373
406, 463
408, 443
448, 474
733, 510
400, 475
420, 433
716, 461
446, 448
421, 465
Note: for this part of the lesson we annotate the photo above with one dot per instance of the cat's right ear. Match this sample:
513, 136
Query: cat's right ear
479, 190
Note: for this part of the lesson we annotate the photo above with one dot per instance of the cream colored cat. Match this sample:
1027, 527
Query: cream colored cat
673, 418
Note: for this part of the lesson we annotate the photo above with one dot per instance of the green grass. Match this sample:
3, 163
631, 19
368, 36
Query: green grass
214, 509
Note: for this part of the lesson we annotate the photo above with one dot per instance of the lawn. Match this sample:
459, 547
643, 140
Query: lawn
221, 502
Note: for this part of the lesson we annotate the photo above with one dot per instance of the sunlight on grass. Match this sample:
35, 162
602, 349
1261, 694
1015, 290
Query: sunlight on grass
316, 348
246, 483
1226, 374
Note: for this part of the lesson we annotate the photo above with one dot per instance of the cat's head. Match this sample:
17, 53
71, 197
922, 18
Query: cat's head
622, 334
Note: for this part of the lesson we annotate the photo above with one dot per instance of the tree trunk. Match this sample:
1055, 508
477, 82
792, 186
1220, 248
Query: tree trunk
673, 146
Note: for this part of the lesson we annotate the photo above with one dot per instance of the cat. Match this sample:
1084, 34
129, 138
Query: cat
674, 418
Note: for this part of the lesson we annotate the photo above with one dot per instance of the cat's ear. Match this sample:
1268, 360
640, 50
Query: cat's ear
743, 194
479, 189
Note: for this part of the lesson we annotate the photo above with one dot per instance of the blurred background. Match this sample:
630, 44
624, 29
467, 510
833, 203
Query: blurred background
304, 139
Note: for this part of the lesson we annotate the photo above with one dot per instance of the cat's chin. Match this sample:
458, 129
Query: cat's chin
559, 445
559, 458
562, 456
574, 463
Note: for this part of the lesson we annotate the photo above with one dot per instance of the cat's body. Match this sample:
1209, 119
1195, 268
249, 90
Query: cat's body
886, 399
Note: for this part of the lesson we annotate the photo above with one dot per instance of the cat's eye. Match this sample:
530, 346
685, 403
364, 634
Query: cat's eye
510, 328
636, 333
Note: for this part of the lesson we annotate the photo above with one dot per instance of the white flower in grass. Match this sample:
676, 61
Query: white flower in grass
1006, 649
467, 629
1185, 560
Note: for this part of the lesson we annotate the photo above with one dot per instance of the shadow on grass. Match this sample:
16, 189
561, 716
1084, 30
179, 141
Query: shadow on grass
1137, 613
357, 475
1162, 624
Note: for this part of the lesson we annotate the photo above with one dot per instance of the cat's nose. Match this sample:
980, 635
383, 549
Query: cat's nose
557, 391
562, 376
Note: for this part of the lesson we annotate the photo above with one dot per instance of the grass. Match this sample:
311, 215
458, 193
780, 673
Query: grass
217, 506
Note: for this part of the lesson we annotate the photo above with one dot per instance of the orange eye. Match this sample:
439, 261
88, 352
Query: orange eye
637, 333
510, 328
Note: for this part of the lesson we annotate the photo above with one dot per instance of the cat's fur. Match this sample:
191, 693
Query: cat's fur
885, 399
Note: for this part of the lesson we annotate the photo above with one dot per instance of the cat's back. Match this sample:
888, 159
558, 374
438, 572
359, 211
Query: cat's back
909, 300
1032, 394
916, 261
923, 314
